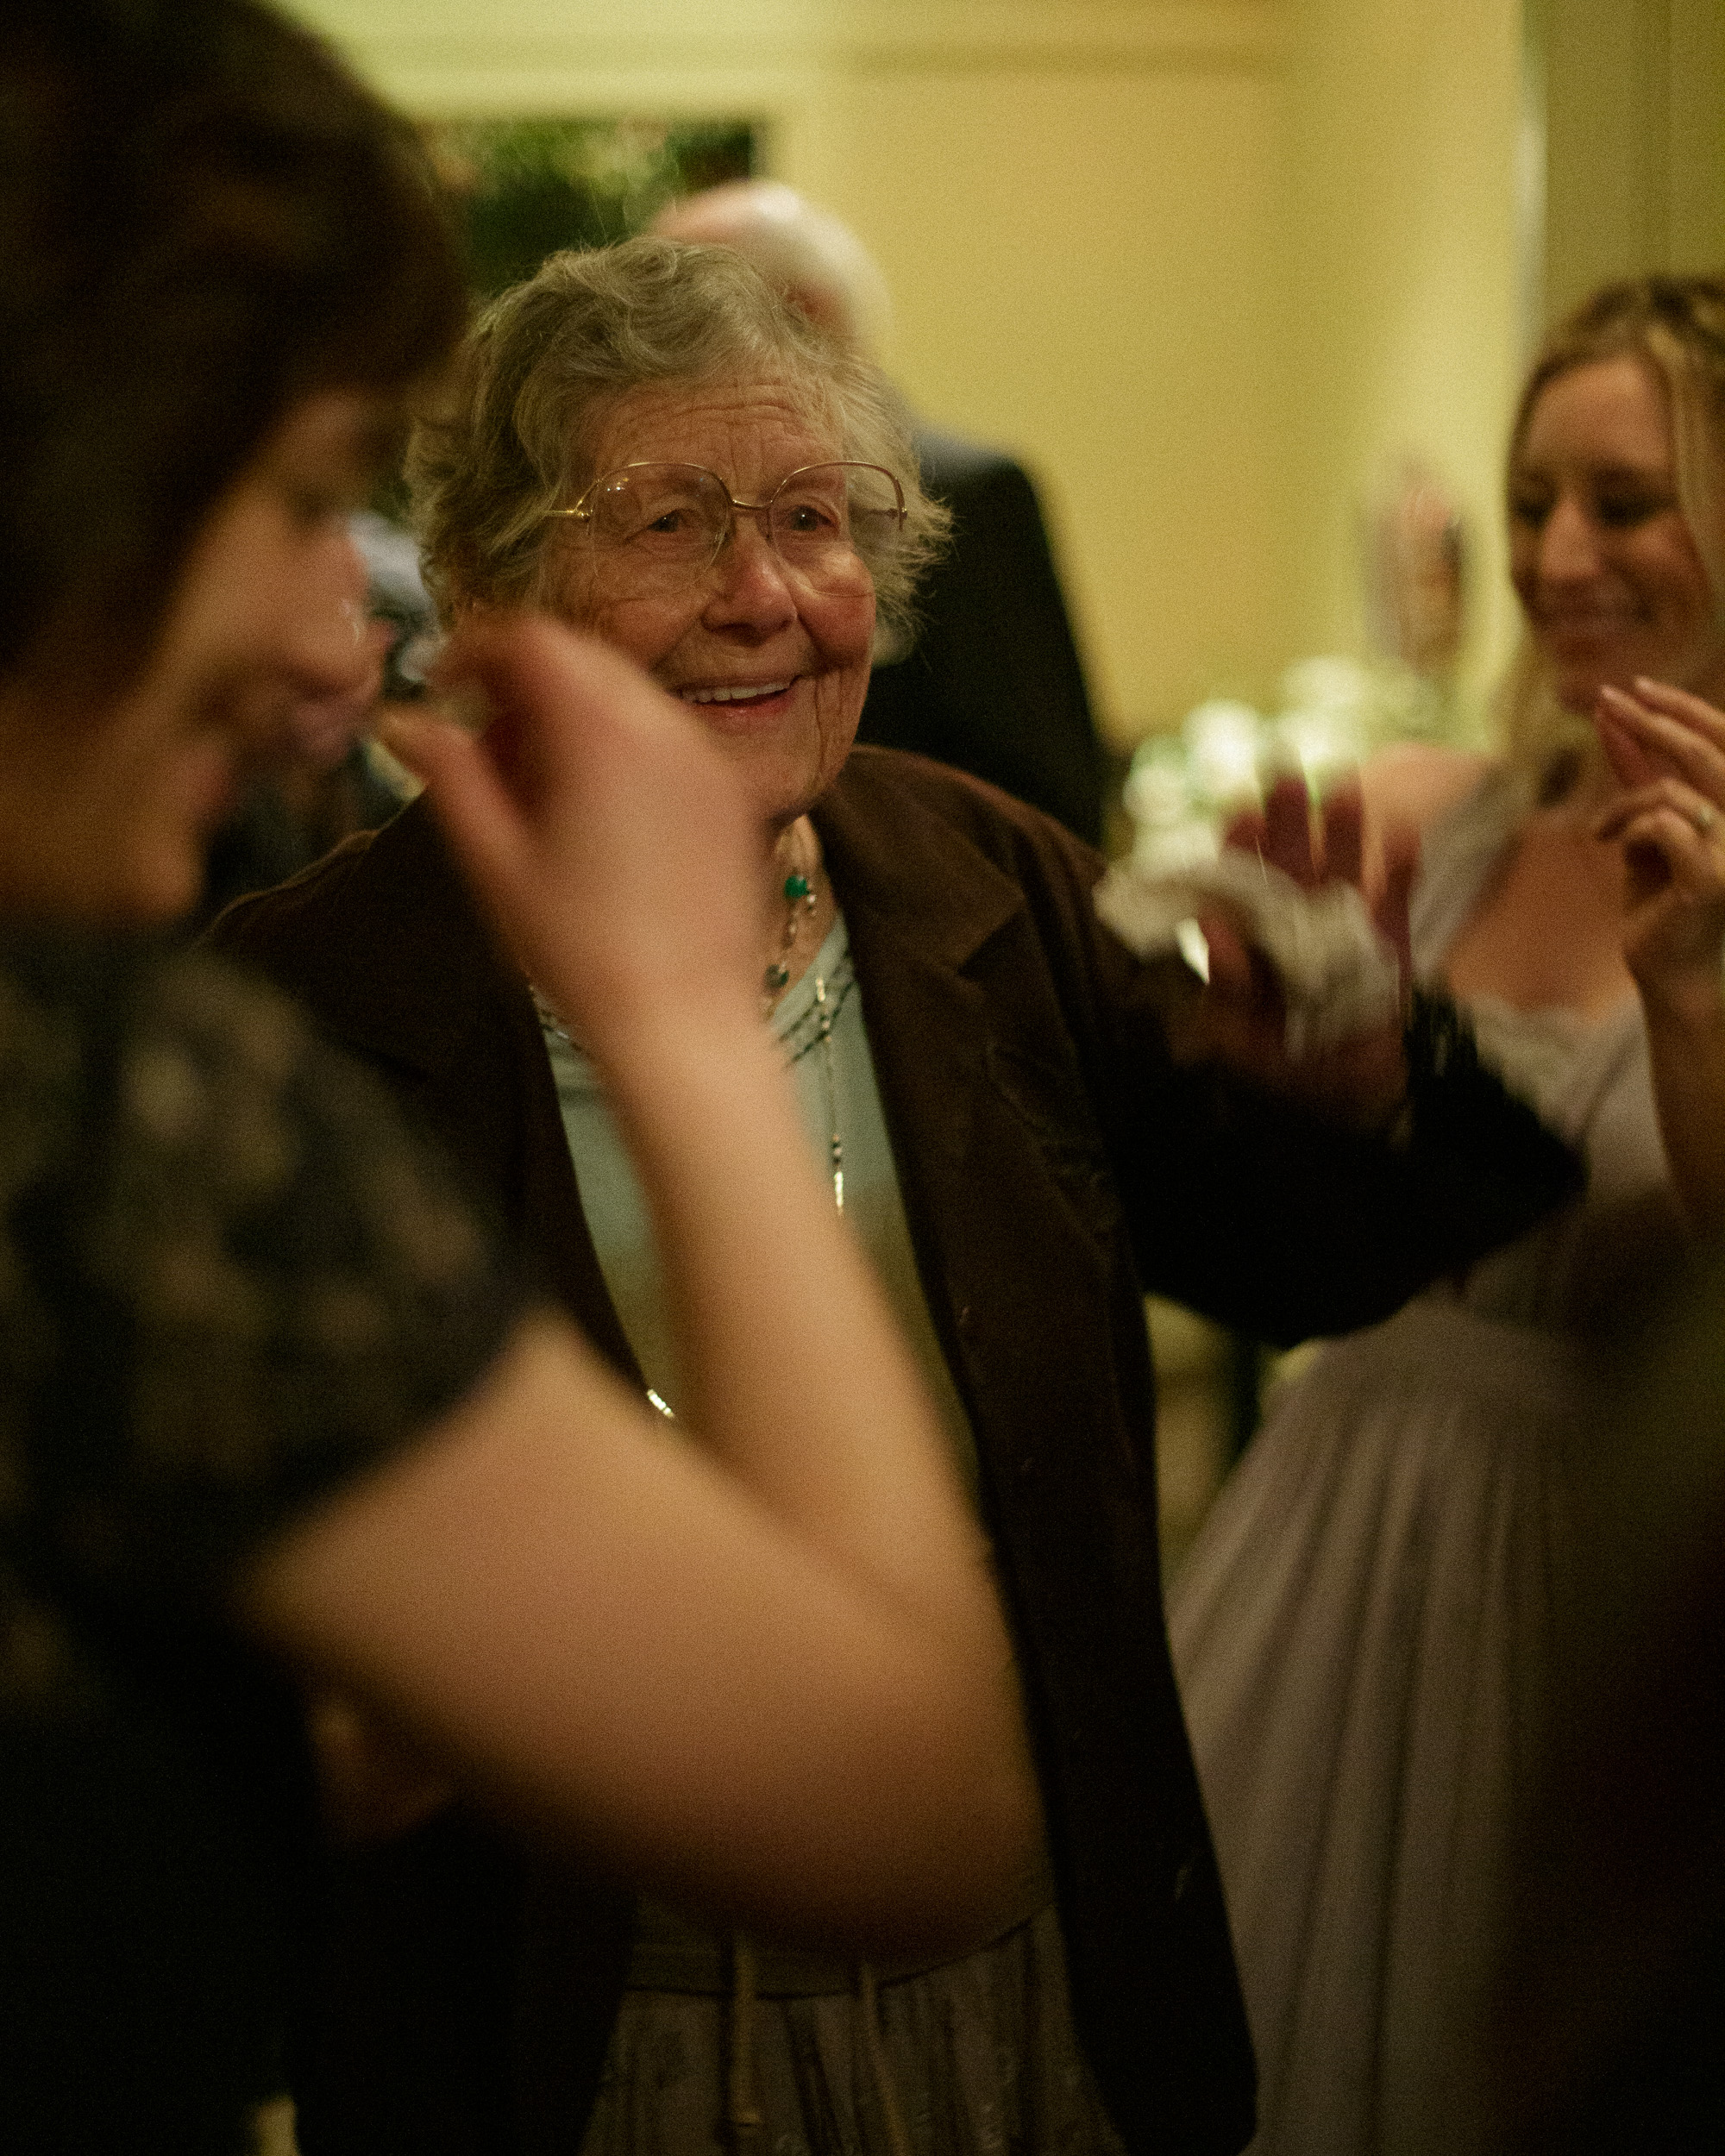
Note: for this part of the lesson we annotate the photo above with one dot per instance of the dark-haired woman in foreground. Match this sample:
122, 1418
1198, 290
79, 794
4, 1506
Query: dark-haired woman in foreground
272, 1400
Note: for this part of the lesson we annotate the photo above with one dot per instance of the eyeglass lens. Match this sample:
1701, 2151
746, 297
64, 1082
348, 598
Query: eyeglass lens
675, 517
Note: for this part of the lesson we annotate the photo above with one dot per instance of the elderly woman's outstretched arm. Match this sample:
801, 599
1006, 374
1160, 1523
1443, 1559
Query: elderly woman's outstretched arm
759, 1665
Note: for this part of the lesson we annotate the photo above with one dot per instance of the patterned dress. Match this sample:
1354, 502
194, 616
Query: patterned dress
228, 1283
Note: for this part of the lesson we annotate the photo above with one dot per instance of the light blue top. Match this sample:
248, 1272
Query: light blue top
835, 1090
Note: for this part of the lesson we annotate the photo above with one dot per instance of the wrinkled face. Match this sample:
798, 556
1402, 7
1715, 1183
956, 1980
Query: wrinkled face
1601, 557
775, 662
105, 813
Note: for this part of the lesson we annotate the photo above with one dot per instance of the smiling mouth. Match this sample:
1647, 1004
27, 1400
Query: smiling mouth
738, 692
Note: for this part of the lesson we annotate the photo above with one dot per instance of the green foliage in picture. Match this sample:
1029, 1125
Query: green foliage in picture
531, 186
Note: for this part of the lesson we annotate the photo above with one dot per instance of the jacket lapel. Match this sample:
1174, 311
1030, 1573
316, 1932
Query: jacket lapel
919, 901
423, 984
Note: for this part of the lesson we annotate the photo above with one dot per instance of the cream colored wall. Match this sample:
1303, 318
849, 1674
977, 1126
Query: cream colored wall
1634, 91
1084, 269
1402, 242
1076, 202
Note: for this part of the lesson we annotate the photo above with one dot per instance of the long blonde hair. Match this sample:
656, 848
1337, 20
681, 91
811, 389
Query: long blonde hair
1676, 325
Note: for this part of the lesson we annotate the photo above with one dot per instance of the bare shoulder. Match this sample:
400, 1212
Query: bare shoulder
1414, 783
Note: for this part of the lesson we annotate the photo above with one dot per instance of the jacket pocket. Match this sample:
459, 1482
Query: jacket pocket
1052, 1103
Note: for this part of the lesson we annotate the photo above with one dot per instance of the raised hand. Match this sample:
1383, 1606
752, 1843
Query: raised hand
1667, 750
1240, 1019
605, 833
1282, 834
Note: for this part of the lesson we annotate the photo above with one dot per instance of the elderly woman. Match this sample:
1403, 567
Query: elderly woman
649, 443
1362, 1629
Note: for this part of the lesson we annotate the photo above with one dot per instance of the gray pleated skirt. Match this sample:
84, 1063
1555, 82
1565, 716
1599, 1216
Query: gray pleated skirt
977, 2058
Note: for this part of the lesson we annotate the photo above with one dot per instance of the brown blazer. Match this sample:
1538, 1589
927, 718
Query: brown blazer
1055, 1166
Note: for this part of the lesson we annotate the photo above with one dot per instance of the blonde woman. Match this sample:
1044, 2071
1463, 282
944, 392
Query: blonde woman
1360, 1629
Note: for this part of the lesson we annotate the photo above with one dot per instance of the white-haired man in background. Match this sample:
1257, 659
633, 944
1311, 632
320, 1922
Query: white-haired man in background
992, 681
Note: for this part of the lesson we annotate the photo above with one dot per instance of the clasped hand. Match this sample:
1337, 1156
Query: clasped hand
1666, 750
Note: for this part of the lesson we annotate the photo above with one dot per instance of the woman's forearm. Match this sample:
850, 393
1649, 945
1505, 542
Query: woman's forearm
609, 839
1687, 1045
604, 1633
794, 1372
761, 1666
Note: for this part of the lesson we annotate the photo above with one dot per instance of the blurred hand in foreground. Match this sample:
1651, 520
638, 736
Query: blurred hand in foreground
605, 833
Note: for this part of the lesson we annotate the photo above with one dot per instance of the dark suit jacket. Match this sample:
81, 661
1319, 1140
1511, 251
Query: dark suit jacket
992, 683
1053, 1165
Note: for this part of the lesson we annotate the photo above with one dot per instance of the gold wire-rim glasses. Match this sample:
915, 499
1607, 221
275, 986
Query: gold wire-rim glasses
697, 562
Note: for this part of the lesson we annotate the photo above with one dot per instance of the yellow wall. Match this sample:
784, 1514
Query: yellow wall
1075, 204
1404, 333
1084, 270
1648, 78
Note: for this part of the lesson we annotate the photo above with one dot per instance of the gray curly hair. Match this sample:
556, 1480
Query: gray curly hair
549, 361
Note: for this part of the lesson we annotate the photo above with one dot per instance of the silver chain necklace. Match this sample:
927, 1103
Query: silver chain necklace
813, 1030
